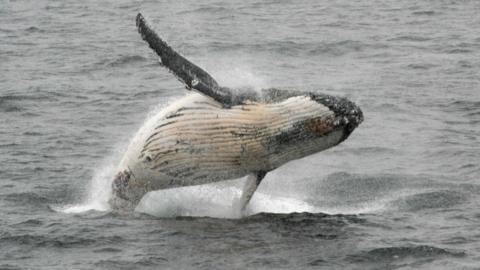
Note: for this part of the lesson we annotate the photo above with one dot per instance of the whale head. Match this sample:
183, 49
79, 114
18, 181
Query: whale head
315, 122
346, 115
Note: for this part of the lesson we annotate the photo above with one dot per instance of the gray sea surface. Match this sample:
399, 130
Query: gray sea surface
403, 192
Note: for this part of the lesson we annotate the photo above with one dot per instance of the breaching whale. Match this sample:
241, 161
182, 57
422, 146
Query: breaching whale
218, 133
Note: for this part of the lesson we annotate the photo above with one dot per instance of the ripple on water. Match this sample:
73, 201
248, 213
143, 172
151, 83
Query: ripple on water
108, 250
424, 12
26, 198
440, 199
126, 60
58, 241
461, 106
150, 261
338, 48
9, 267
210, 9
411, 38
29, 223
305, 225
17, 102
392, 254
34, 29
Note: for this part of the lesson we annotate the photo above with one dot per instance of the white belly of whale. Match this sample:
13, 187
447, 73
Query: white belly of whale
195, 141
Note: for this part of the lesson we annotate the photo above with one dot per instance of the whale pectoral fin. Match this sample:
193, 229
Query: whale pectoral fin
187, 72
253, 180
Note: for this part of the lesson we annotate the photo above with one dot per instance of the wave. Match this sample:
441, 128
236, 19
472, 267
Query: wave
118, 62
421, 66
7, 108
389, 254
339, 48
30, 223
463, 105
148, 261
34, 29
126, 60
60, 241
16, 97
15, 102
463, 112
26, 198
412, 38
441, 199
295, 48
211, 9
424, 12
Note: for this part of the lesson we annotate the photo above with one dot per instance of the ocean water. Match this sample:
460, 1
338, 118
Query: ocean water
403, 192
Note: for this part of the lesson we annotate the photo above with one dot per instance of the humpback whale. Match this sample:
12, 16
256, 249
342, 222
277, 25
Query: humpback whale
218, 133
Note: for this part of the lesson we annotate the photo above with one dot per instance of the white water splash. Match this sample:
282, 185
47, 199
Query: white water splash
99, 190
220, 201
239, 77
235, 72
213, 200
217, 200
